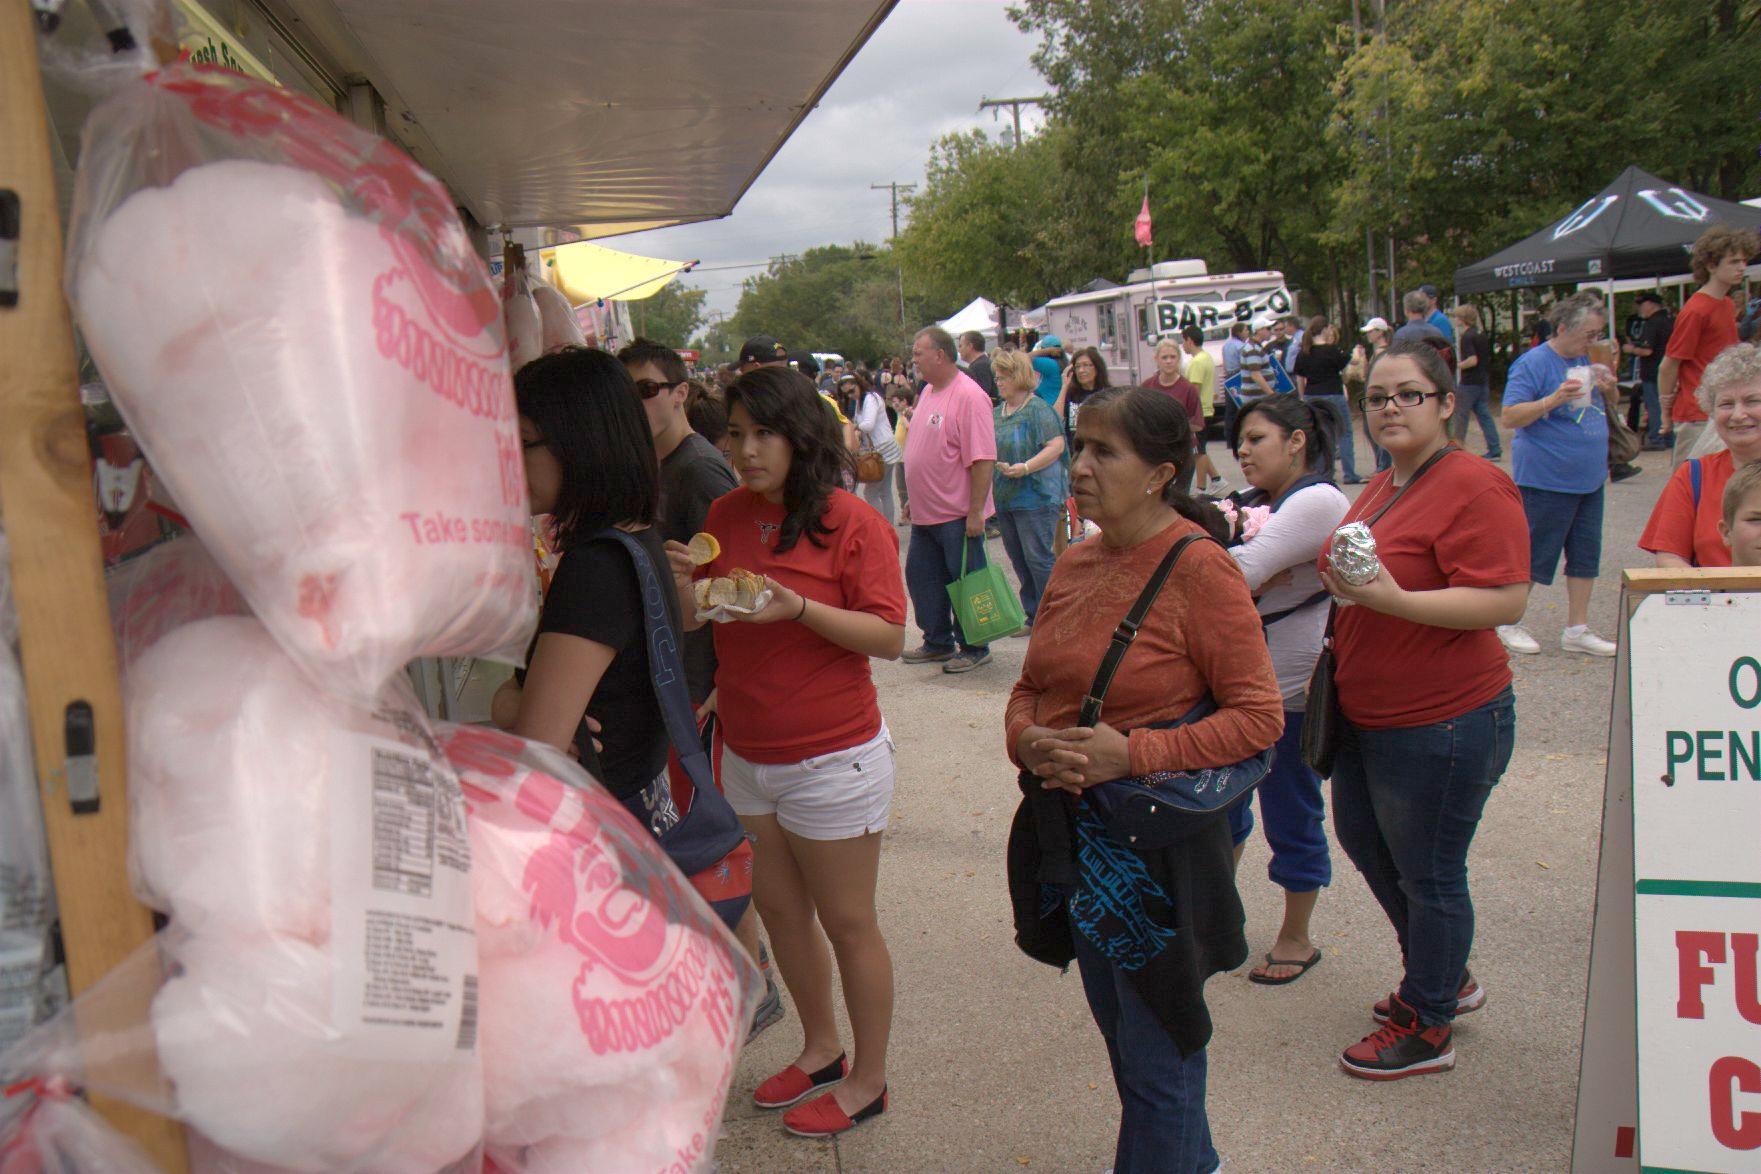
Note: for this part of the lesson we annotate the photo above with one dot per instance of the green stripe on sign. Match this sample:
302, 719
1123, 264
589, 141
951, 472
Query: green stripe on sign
1666, 1170
1687, 888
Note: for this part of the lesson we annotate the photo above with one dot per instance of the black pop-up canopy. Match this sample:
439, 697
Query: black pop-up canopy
1637, 226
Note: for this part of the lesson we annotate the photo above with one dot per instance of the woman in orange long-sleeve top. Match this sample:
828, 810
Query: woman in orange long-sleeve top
1146, 928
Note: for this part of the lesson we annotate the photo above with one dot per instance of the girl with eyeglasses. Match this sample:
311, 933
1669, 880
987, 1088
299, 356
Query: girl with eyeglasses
1424, 687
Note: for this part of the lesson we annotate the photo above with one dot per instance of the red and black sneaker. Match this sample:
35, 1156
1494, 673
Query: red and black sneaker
1471, 997
1404, 1047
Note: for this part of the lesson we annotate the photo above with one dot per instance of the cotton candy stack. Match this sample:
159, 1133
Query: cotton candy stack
556, 318
614, 1002
305, 849
525, 326
301, 340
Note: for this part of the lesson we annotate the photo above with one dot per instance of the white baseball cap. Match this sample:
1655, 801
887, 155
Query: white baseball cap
1263, 321
1376, 324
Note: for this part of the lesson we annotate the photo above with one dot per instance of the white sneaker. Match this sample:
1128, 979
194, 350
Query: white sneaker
1217, 487
1586, 641
1517, 639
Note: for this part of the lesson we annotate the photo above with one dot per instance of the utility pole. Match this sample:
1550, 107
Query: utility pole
1014, 105
895, 188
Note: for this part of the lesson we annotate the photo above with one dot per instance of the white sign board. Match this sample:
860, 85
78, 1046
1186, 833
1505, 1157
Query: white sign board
1696, 800
1172, 317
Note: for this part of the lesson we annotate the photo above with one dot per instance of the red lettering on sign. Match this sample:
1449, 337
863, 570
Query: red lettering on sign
1690, 946
1734, 1130
1745, 946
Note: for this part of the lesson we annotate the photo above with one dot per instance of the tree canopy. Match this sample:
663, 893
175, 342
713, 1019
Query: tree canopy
842, 298
671, 316
1274, 136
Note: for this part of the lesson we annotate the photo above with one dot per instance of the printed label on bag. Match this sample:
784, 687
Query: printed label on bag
21, 973
400, 899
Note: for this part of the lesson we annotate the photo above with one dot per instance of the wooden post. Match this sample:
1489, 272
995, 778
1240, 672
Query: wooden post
58, 579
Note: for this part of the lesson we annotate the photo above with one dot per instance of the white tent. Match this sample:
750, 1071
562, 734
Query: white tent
980, 315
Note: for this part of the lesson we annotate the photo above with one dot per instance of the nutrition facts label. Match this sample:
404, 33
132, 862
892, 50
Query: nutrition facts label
404, 799
401, 900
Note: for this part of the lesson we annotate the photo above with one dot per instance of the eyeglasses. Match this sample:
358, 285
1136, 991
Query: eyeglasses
1406, 398
649, 388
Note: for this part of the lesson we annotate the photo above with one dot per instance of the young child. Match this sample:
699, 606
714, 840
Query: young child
1741, 527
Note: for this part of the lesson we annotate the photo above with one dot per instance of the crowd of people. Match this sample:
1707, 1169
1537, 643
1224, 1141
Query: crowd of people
1232, 632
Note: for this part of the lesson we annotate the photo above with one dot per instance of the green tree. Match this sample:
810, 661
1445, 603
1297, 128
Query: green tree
977, 229
1221, 105
717, 342
842, 298
670, 316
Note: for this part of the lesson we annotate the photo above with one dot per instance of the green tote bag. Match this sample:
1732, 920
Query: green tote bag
984, 603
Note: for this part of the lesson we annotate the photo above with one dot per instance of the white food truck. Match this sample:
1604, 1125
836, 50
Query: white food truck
1124, 322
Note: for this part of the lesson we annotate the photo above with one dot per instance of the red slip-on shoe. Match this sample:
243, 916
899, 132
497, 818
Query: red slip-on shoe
821, 1116
791, 1084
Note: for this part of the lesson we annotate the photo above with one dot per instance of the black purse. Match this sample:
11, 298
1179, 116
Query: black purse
1144, 813
1323, 721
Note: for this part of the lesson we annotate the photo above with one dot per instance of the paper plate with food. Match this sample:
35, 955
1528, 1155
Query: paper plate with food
739, 593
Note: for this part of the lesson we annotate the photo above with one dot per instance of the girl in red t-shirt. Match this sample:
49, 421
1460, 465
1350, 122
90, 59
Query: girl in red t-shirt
1424, 686
808, 761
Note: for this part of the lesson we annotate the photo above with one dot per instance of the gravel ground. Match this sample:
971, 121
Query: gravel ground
996, 1064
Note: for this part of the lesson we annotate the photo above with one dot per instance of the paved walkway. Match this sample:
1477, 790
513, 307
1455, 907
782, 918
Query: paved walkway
996, 1065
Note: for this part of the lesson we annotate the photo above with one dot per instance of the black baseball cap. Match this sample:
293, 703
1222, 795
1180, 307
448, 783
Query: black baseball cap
1428, 290
762, 348
1647, 295
804, 362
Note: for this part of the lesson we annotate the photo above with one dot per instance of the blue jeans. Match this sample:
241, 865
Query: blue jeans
1163, 1128
1406, 804
1027, 537
1341, 431
1294, 811
932, 561
1477, 400
1571, 522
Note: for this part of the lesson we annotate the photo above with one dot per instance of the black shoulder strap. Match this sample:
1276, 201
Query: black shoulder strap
1410, 482
1126, 632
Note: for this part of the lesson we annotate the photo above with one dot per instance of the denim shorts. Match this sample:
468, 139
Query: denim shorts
1571, 522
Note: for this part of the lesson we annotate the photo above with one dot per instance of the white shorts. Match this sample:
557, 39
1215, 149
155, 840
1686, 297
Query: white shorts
834, 796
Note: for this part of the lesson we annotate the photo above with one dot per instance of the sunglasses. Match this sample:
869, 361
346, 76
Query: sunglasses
649, 388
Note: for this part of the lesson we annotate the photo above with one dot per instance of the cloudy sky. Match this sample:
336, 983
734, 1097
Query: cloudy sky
919, 77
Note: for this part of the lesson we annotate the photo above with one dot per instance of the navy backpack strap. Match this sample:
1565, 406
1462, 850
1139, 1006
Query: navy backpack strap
666, 668
1694, 478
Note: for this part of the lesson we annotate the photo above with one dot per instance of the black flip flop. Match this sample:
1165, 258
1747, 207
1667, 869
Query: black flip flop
1301, 965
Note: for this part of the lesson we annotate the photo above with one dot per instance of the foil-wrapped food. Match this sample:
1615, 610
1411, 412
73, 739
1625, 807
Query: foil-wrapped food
1354, 554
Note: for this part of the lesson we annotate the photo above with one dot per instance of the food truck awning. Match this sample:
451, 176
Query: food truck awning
587, 272
610, 116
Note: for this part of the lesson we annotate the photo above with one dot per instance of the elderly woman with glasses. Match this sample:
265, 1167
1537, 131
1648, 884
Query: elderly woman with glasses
1556, 408
1684, 530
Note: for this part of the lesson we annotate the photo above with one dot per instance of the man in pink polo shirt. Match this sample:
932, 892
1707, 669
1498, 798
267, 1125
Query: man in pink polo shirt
949, 454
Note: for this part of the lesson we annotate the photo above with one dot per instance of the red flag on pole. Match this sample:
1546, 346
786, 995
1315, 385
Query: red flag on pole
1143, 223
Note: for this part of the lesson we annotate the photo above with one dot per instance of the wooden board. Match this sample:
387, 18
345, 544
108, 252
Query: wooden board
1652, 580
47, 502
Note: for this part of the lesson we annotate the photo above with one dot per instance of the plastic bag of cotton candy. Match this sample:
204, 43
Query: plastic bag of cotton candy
293, 321
312, 1004
614, 1002
44, 1129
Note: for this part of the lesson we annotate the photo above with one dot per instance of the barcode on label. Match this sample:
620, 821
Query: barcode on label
468, 1016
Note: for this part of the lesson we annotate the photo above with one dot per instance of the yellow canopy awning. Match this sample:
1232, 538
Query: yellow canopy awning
587, 272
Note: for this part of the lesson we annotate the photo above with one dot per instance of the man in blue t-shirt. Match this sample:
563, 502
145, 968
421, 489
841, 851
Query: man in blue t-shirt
1556, 410
1435, 315
1048, 364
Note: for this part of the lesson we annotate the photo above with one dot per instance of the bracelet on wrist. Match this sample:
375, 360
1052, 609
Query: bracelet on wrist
803, 610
